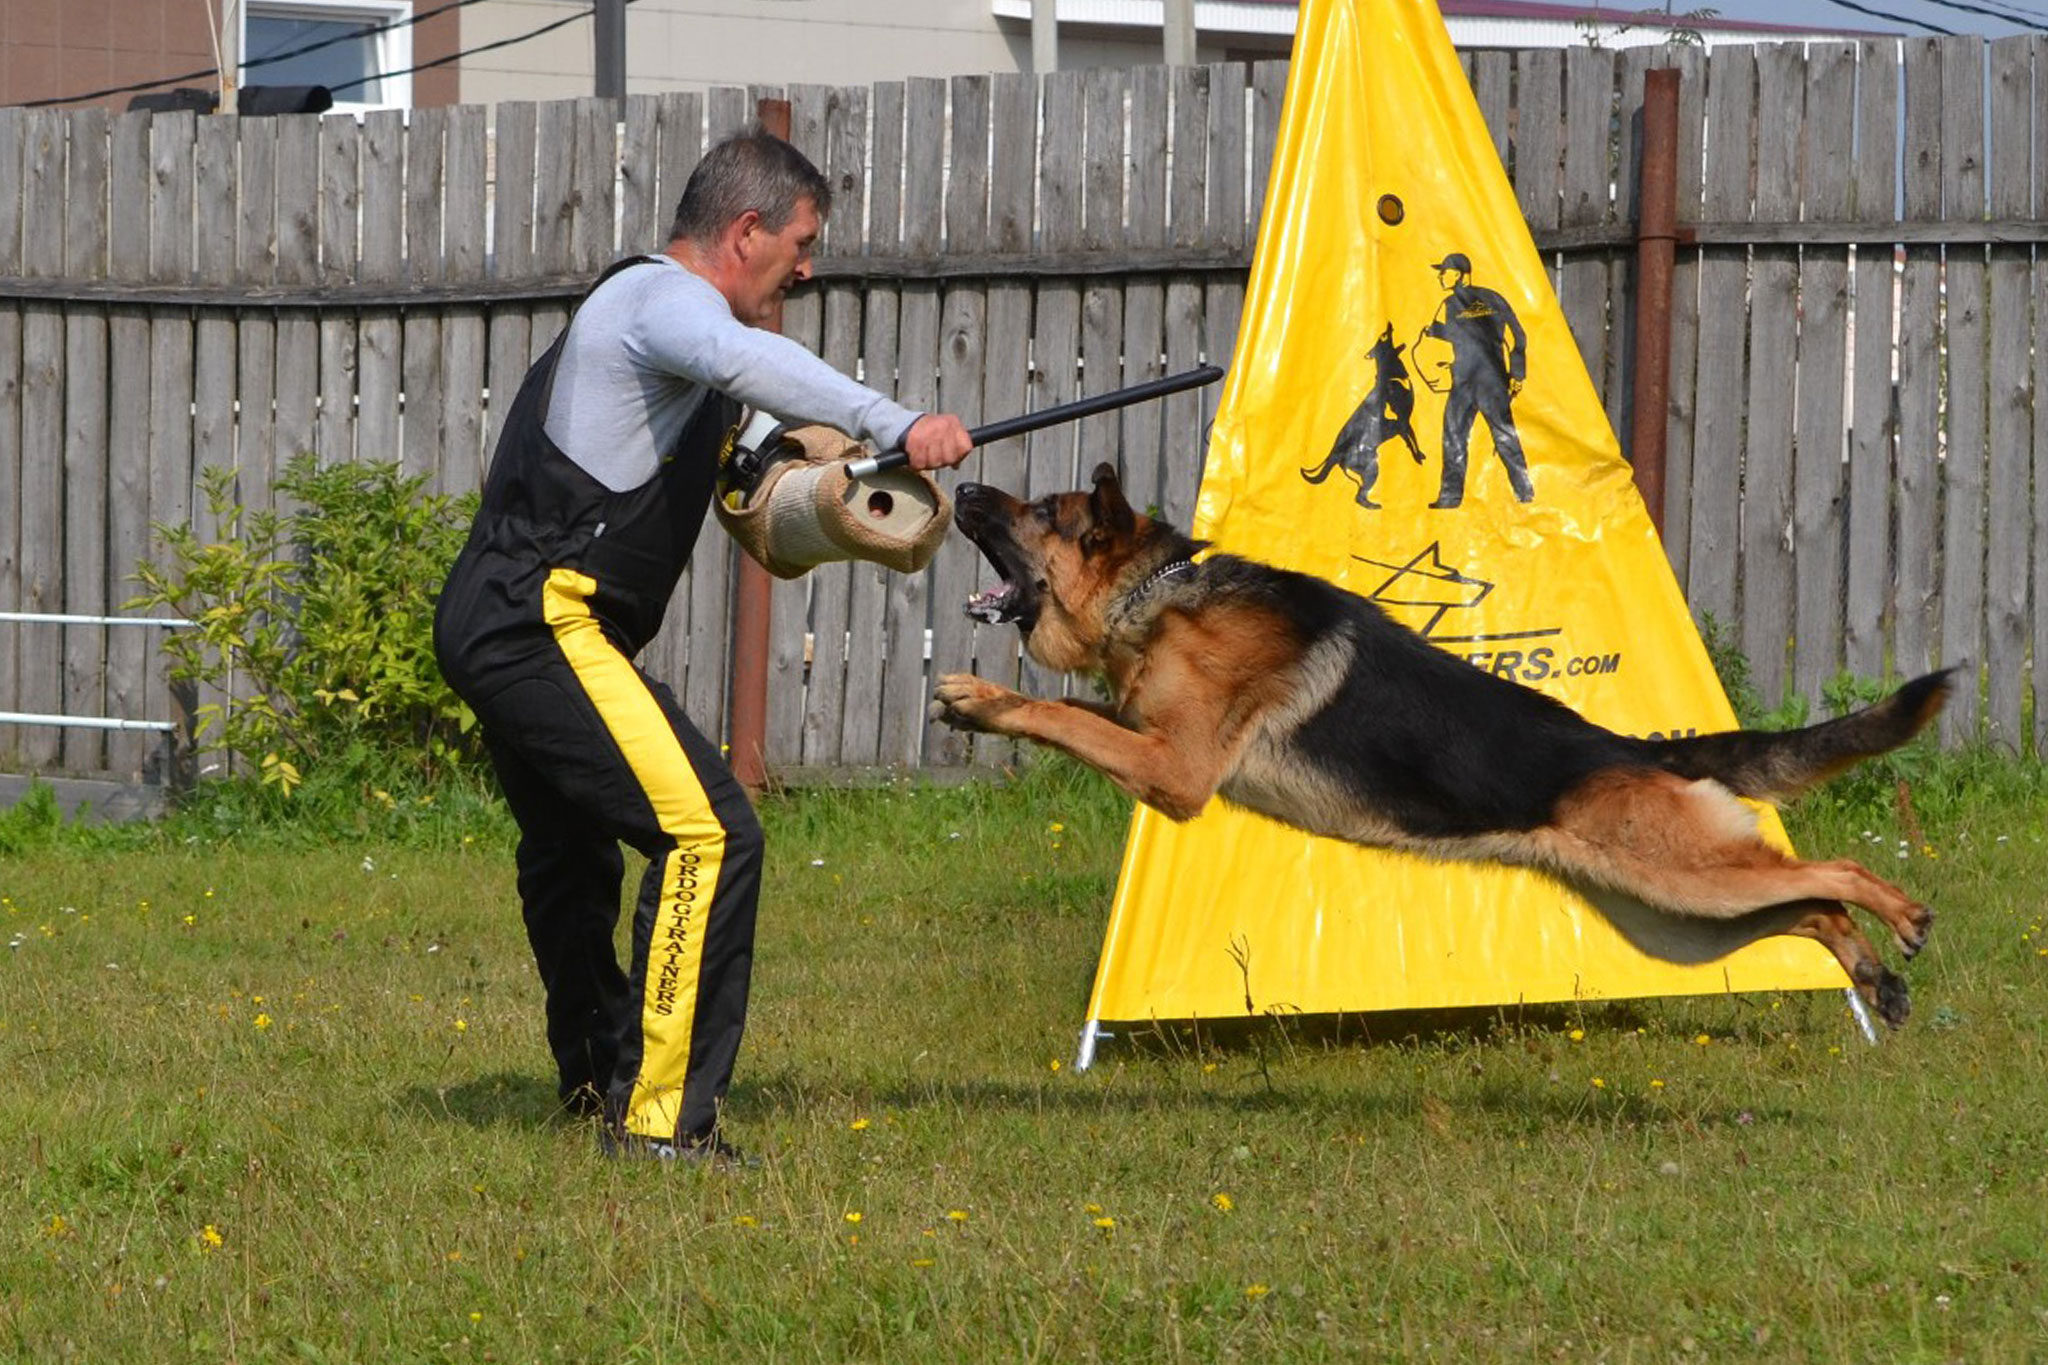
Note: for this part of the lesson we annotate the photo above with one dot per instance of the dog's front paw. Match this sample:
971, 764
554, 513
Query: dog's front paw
966, 702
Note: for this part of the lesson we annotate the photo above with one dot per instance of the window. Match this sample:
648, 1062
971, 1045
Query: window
354, 49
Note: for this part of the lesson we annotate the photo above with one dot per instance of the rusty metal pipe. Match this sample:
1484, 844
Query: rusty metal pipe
1657, 236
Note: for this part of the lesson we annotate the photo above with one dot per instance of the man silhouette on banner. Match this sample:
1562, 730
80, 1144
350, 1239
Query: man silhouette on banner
1488, 360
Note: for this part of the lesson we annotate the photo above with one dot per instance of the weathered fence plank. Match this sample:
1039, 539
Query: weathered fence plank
2039, 445
1828, 191
420, 328
831, 586
2010, 419
1963, 465
172, 141
904, 693
1013, 146
42, 435
215, 346
1144, 321
1056, 337
1187, 212
380, 359
335, 252
515, 129
1583, 285
131, 655
1867, 573
1682, 419
963, 360
464, 332
301, 364
1723, 281
86, 451
13, 138
1766, 539
1915, 597
869, 621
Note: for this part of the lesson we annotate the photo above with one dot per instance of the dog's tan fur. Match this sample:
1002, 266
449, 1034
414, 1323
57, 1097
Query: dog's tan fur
1282, 694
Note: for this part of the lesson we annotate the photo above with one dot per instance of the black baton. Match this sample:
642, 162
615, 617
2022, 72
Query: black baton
1053, 416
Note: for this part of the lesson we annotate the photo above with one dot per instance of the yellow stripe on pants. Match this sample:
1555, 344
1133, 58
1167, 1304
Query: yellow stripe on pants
682, 809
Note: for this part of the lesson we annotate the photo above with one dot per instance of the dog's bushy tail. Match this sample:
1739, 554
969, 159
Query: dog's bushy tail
1773, 765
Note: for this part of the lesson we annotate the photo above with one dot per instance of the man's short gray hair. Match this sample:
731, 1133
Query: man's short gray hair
754, 170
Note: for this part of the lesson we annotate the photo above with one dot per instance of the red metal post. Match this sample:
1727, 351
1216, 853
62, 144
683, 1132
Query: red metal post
753, 600
1657, 237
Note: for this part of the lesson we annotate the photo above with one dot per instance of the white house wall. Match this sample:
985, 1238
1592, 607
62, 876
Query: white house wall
696, 44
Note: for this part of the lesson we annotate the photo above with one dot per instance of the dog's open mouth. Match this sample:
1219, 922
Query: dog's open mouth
1014, 600
997, 605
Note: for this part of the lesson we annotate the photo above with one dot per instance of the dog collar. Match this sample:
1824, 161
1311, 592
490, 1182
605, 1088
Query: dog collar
1173, 568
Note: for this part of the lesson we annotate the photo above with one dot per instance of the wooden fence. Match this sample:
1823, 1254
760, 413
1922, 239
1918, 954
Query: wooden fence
1857, 338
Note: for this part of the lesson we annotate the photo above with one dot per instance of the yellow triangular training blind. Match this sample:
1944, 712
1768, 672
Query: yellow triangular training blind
1407, 415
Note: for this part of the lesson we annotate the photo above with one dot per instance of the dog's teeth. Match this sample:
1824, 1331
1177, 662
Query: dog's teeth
992, 606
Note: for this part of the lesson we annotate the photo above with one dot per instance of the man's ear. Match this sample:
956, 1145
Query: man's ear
740, 231
1107, 501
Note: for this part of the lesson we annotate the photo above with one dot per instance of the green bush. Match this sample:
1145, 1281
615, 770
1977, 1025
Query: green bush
315, 625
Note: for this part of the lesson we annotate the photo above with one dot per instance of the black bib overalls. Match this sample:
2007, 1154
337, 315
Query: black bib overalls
562, 582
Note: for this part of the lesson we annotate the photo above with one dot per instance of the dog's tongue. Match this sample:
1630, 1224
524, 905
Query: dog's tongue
992, 607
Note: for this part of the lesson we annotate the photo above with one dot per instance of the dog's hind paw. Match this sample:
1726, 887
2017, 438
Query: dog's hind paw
1885, 991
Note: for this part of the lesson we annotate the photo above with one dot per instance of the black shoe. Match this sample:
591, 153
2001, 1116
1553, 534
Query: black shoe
711, 1151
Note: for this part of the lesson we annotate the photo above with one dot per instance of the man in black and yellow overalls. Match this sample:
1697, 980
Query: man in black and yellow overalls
597, 491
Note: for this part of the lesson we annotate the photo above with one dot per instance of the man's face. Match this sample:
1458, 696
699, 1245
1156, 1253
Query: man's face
773, 263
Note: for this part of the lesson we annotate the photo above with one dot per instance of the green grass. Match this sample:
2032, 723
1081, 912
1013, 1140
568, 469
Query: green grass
271, 1099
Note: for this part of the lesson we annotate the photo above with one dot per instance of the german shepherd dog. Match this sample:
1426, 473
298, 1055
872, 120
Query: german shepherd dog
1382, 415
1283, 693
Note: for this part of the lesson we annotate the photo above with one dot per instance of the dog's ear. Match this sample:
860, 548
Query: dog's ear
1111, 512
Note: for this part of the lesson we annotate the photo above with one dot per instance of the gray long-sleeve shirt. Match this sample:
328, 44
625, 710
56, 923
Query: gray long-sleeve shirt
647, 345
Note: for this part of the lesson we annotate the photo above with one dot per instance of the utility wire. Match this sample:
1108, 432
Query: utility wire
1895, 18
353, 35
467, 52
2032, 23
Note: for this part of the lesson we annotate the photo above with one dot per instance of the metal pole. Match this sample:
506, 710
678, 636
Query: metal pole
1045, 37
1657, 237
611, 49
753, 599
1179, 22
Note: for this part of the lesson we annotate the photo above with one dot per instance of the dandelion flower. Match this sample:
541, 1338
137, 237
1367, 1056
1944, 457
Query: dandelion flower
1656, 1085
922, 1263
1106, 1223
210, 1238
1055, 828
462, 1025
858, 1124
1053, 1065
1577, 1035
746, 1220
56, 1227
475, 1316
1091, 1208
1599, 1084
1256, 1291
957, 1215
1223, 1202
853, 1215
1703, 1040
262, 1021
